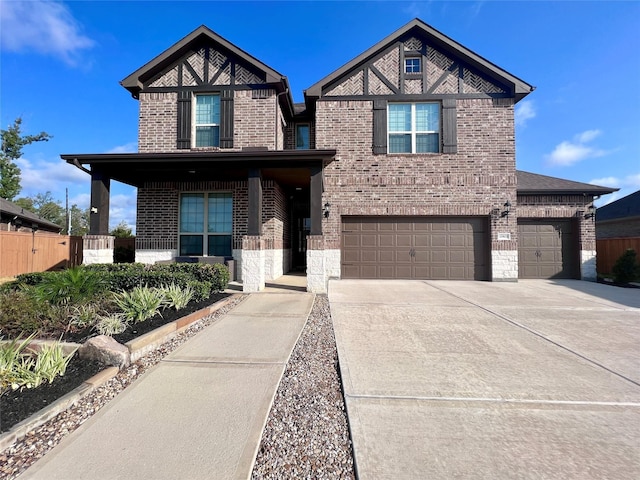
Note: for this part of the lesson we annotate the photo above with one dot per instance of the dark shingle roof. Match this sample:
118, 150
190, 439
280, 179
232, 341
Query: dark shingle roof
628, 206
533, 183
11, 209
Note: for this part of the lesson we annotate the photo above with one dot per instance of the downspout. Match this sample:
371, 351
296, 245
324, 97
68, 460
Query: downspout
77, 164
278, 117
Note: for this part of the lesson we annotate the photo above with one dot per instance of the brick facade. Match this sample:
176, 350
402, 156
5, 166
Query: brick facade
478, 179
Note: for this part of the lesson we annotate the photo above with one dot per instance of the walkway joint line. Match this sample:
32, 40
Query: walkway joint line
496, 400
222, 362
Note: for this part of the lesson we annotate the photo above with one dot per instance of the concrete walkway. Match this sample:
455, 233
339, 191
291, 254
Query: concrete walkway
535, 379
199, 413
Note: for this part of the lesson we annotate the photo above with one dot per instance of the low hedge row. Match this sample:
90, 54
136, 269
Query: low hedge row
203, 278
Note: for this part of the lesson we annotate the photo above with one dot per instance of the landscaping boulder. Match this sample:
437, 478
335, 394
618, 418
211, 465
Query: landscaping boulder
106, 350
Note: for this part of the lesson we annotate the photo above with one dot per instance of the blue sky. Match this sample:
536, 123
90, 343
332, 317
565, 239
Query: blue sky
61, 64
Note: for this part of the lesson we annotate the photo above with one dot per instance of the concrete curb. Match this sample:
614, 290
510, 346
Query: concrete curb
21, 429
138, 347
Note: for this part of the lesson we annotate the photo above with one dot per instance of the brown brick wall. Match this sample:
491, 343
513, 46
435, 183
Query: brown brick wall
254, 121
158, 206
476, 180
158, 122
561, 206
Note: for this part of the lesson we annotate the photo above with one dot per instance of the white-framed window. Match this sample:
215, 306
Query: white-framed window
207, 121
412, 65
302, 137
206, 224
413, 127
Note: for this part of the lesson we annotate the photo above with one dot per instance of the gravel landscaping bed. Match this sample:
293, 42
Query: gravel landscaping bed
306, 435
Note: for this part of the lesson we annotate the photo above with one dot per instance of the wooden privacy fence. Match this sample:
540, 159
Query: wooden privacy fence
25, 252
609, 250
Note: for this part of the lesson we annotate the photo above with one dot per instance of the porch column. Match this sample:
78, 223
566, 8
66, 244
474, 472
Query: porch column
253, 245
316, 200
99, 213
254, 227
98, 245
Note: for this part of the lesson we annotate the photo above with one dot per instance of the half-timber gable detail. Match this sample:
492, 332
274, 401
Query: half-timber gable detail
441, 74
207, 67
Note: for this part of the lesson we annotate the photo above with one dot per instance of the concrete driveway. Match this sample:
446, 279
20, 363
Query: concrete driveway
535, 379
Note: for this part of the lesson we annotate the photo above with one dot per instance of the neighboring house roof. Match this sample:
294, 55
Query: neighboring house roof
625, 207
135, 82
533, 183
519, 87
11, 211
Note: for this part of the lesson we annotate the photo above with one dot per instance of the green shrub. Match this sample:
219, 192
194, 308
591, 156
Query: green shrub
34, 278
22, 313
201, 290
626, 269
20, 368
111, 324
140, 303
177, 297
74, 285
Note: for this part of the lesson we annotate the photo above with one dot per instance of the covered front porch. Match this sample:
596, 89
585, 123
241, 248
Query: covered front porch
273, 218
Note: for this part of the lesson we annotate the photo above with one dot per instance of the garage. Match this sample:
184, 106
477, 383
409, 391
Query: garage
429, 248
547, 249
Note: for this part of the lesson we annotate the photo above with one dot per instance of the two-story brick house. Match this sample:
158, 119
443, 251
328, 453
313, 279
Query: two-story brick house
400, 164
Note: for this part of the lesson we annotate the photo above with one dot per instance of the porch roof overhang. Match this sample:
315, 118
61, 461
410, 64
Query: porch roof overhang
288, 167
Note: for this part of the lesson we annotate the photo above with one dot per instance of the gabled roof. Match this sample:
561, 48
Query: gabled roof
625, 207
533, 183
135, 81
520, 87
10, 209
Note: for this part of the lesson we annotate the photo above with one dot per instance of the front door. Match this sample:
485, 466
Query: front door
300, 229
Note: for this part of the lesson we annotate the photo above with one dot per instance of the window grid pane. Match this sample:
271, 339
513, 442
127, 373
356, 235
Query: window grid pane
414, 128
219, 245
207, 136
412, 65
190, 244
302, 137
192, 213
220, 213
208, 109
400, 117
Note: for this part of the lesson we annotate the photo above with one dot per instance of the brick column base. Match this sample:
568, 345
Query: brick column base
97, 249
253, 263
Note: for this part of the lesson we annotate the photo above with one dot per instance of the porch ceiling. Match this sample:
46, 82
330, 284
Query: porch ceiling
288, 167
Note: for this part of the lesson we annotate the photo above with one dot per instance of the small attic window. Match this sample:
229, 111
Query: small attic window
412, 65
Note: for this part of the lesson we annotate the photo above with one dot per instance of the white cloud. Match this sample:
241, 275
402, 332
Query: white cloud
42, 176
44, 26
627, 185
568, 153
525, 111
82, 200
587, 136
122, 207
130, 147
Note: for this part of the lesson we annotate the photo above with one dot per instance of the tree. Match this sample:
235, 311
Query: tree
122, 230
47, 207
79, 220
12, 144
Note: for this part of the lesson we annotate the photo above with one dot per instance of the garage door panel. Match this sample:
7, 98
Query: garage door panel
416, 247
547, 249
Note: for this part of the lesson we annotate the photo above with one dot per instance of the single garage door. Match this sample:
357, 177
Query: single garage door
442, 248
547, 249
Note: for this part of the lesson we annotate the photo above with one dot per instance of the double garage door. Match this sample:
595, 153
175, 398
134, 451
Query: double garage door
547, 249
442, 248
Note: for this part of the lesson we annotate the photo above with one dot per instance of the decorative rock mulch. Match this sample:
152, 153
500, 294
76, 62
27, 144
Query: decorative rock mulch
306, 435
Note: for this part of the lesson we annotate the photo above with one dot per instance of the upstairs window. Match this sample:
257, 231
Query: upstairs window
413, 127
302, 137
412, 65
207, 121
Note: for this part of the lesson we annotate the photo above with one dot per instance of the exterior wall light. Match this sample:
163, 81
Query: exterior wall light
591, 213
325, 210
507, 209
94, 210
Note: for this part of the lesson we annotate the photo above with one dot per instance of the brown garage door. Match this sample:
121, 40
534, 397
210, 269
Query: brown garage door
444, 248
547, 249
